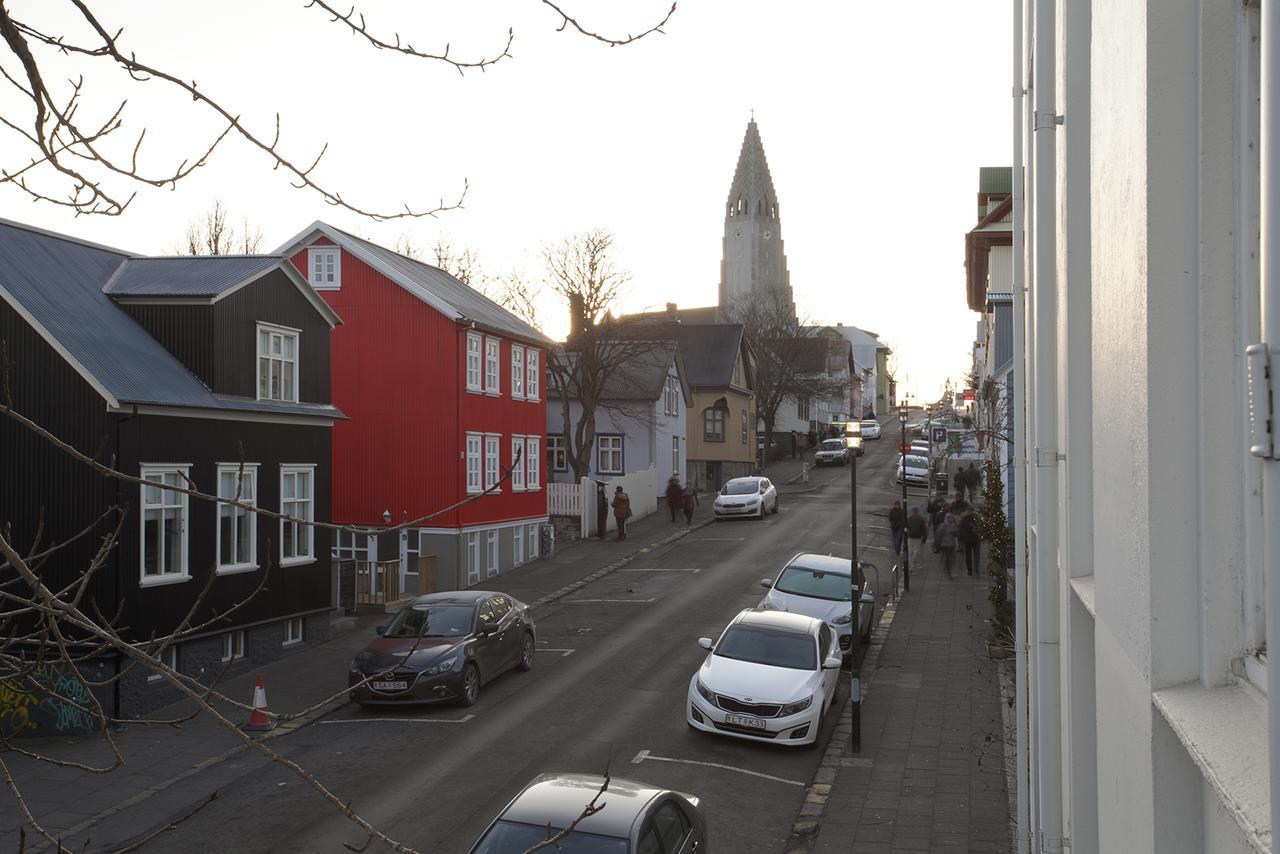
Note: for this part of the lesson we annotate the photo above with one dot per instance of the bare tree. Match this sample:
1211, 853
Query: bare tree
82, 152
514, 293
215, 234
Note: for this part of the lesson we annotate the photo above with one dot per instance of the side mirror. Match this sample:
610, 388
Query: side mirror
867, 599
706, 643
766, 583
382, 630
487, 628
833, 662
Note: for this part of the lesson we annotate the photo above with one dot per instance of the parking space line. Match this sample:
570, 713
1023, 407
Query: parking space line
717, 539
594, 601
654, 569
400, 720
564, 653
644, 754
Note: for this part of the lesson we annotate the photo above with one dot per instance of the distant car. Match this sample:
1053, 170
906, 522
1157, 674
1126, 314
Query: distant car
921, 448
444, 647
831, 452
746, 496
771, 676
638, 818
915, 470
871, 429
819, 586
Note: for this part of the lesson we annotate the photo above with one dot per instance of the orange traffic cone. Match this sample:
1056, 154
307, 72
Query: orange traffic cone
259, 721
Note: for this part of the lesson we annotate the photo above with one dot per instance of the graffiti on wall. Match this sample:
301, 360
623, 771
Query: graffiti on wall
45, 701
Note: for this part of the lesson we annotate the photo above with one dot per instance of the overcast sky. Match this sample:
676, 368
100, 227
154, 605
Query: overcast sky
875, 119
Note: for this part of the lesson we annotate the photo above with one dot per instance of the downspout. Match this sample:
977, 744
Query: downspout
1269, 274
1045, 426
1022, 820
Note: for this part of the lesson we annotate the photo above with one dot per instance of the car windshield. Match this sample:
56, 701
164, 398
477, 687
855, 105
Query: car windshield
741, 487
833, 445
816, 583
764, 645
872, 424
432, 621
514, 837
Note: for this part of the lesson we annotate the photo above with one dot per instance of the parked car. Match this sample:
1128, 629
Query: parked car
639, 818
444, 647
871, 429
746, 496
819, 586
916, 469
831, 452
921, 448
771, 676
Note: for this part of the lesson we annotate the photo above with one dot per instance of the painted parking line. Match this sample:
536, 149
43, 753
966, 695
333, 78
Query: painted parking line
400, 720
564, 653
595, 601
718, 539
663, 569
646, 755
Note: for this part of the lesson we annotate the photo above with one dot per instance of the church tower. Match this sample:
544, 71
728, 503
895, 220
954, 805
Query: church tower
753, 258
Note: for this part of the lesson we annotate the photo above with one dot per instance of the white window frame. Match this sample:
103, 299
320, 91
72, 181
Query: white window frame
308, 505
712, 416
233, 644
533, 543
475, 463
274, 331
517, 372
492, 359
250, 472
533, 463
606, 447
675, 455
473, 558
557, 453
179, 502
492, 461
517, 545
475, 361
169, 658
292, 637
327, 280
491, 553
517, 471
671, 396
533, 374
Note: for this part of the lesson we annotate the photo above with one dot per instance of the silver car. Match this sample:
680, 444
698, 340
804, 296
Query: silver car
832, 452
638, 817
819, 586
746, 497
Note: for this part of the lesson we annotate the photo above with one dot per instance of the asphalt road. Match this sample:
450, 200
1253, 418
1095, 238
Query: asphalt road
608, 690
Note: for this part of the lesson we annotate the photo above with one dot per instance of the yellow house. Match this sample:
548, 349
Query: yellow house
721, 428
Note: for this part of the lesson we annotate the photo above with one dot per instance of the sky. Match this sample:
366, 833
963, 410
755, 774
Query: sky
875, 119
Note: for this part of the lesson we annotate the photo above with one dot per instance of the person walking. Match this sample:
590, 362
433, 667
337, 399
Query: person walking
970, 542
689, 502
897, 524
972, 480
621, 511
937, 508
675, 496
917, 534
945, 537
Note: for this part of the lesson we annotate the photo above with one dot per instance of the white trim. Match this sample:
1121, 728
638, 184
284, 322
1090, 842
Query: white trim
160, 299
492, 475
534, 371
170, 651
518, 444
533, 463
478, 487
229, 645
302, 631
492, 553
517, 546
517, 371
450, 532
495, 389
161, 580
473, 557
327, 249
162, 469
478, 386
310, 556
294, 362
250, 469
246, 415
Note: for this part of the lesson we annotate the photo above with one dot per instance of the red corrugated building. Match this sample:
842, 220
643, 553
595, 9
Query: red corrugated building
441, 386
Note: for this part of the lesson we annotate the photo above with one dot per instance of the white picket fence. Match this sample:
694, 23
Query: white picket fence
579, 499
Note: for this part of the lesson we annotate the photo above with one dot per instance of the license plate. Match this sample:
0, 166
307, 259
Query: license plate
389, 686
742, 720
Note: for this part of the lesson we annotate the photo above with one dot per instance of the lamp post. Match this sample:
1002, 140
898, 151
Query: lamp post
906, 551
855, 602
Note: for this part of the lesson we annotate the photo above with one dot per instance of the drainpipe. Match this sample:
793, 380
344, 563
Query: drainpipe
1048, 687
1022, 821
1269, 205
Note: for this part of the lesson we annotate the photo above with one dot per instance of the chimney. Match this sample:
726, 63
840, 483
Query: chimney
672, 314
839, 325
577, 316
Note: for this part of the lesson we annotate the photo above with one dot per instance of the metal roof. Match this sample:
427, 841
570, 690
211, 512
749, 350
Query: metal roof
189, 276
995, 179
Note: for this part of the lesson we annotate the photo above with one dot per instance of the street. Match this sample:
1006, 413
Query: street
608, 691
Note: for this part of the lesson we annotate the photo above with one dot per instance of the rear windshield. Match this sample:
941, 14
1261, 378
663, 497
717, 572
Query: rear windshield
833, 445
803, 581
514, 837
763, 645
741, 487
917, 463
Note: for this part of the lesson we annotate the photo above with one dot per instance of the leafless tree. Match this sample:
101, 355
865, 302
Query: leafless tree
215, 234
84, 153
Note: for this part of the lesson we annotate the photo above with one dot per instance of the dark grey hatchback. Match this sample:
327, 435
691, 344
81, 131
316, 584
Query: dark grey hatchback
443, 647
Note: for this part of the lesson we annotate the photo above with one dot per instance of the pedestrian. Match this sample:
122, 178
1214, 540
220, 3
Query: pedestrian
936, 509
621, 511
917, 534
970, 542
690, 501
897, 524
945, 537
675, 495
972, 480
959, 506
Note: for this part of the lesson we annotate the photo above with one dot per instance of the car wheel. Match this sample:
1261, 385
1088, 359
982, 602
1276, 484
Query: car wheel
774, 511
470, 685
526, 654
817, 732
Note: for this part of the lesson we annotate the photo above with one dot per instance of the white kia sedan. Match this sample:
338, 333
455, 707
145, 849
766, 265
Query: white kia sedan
746, 496
771, 676
819, 586
871, 429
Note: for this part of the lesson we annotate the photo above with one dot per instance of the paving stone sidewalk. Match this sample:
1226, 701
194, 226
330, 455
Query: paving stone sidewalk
931, 775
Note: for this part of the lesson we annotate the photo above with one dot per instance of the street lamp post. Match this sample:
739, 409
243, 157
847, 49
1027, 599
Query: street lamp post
906, 551
855, 602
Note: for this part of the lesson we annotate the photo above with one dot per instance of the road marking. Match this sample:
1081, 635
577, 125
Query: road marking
401, 720
718, 539
564, 653
655, 569
644, 754
594, 601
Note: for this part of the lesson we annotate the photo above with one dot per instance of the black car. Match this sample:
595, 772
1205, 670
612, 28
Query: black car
443, 647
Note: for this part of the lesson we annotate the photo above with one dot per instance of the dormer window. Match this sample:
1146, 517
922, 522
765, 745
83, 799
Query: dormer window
324, 266
277, 363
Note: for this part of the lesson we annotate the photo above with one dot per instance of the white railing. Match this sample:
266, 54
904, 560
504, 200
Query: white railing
579, 499
564, 499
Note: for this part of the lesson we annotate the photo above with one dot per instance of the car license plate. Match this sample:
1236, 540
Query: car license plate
742, 720
389, 686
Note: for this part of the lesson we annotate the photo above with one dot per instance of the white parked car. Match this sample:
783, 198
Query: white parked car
819, 586
746, 496
771, 676
917, 470
871, 429
832, 452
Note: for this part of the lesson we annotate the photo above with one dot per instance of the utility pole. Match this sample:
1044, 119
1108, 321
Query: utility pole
904, 447
855, 629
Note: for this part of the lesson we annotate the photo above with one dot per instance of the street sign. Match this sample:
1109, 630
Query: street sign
905, 447
939, 436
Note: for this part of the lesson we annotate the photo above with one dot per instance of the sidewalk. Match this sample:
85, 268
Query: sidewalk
931, 774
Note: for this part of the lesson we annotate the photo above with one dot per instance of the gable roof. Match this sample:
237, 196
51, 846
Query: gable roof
438, 289
56, 284
643, 376
710, 351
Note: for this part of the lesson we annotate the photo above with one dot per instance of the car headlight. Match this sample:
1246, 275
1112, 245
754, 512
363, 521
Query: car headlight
707, 693
358, 663
442, 667
843, 619
793, 708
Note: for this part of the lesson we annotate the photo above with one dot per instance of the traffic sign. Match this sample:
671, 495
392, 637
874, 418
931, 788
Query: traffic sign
939, 436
